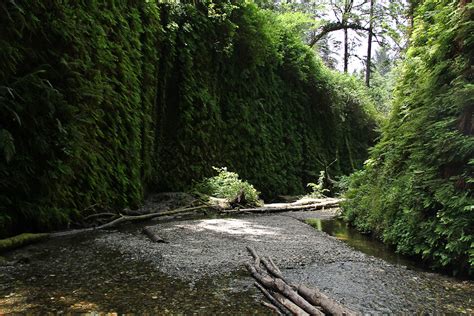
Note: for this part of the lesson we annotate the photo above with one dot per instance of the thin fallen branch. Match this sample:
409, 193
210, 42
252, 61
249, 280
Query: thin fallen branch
99, 215
126, 218
128, 211
282, 309
271, 268
272, 307
274, 265
254, 255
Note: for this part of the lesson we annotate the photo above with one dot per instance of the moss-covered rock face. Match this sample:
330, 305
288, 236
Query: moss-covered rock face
101, 103
416, 190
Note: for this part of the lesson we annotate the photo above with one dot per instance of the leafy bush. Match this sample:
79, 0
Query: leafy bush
227, 185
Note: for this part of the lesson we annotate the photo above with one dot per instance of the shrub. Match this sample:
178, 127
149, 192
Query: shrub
227, 185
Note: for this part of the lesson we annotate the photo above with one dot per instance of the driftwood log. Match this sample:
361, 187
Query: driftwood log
153, 237
288, 298
284, 207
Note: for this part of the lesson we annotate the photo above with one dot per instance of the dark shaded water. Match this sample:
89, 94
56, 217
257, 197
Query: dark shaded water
364, 243
75, 276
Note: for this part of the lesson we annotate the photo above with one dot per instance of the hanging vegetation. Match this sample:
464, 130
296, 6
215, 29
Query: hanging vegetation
101, 103
416, 190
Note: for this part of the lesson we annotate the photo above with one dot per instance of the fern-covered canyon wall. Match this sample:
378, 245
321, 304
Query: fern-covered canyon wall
103, 103
416, 190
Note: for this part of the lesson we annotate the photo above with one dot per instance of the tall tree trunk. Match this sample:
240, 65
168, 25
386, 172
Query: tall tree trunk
346, 51
345, 19
369, 45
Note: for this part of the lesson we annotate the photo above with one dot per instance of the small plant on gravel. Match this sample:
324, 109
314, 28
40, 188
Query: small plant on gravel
317, 189
227, 185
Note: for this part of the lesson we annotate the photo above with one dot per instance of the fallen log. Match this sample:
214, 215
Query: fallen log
20, 241
219, 203
272, 268
315, 297
125, 218
274, 301
292, 307
27, 238
286, 207
306, 201
154, 237
93, 216
277, 285
276, 288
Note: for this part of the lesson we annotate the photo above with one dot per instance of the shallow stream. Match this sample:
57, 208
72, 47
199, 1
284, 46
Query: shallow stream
364, 243
76, 275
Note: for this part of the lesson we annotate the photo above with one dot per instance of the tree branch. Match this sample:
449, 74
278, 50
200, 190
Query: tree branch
335, 26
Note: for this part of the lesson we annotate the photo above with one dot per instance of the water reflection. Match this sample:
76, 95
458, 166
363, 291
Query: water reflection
364, 243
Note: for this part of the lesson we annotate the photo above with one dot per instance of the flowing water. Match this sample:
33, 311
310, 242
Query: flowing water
364, 243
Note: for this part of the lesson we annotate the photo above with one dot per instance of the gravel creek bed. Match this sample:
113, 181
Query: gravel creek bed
200, 271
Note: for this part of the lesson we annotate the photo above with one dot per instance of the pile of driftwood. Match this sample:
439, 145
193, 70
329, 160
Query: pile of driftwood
286, 298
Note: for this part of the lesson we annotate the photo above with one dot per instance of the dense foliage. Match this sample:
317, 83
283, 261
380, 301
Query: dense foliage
256, 100
103, 102
227, 185
77, 89
416, 190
